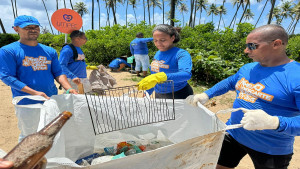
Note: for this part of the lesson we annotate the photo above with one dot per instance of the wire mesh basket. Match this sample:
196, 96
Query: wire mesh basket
125, 107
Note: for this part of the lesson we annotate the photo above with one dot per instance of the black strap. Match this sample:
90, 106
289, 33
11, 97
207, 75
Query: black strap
75, 53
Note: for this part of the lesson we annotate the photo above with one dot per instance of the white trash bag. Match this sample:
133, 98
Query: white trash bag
196, 132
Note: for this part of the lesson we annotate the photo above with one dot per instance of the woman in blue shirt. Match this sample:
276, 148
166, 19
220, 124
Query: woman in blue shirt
169, 63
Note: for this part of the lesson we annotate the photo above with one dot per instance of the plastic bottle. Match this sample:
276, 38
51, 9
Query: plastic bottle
30, 151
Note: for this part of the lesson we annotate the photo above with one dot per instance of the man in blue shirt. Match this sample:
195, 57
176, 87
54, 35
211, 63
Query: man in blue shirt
268, 92
30, 68
118, 64
72, 61
139, 49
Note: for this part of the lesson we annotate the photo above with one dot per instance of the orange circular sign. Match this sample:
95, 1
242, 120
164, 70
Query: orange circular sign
66, 20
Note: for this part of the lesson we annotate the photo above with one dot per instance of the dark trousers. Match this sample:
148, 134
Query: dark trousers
180, 94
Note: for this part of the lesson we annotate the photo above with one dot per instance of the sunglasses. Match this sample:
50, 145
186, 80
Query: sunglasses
251, 46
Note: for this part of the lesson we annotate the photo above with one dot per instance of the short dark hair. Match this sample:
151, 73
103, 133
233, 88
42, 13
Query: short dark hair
272, 32
139, 35
76, 33
168, 29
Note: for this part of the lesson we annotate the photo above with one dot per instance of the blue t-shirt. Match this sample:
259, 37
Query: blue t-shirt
139, 46
32, 66
177, 64
72, 68
116, 63
276, 90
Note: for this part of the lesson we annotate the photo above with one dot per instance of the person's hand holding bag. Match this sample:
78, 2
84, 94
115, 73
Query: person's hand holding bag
151, 80
193, 99
259, 120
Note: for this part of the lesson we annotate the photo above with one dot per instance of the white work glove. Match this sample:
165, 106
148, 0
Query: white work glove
259, 120
193, 99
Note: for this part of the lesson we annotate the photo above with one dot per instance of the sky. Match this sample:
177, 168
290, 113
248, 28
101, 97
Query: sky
36, 9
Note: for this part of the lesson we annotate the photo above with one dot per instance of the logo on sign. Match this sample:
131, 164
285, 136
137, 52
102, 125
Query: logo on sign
67, 18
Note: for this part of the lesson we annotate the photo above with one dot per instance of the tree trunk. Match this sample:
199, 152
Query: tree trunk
200, 16
47, 16
13, 8
16, 8
237, 9
126, 12
172, 10
191, 15
114, 14
3, 29
71, 4
194, 22
148, 4
248, 3
65, 4
99, 14
261, 13
295, 26
135, 16
93, 14
144, 10
163, 3
271, 11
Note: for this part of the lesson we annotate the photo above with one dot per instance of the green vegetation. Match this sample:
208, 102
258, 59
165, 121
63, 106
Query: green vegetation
215, 54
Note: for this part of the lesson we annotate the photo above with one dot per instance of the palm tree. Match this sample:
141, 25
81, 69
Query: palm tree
201, 4
221, 10
212, 10
133, 3
286, 9
148, 7
183, 9
47, 16
81, 9
247, 4
276, 14
155, 3
248, 14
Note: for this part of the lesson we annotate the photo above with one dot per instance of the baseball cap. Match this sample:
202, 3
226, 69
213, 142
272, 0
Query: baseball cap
24, 20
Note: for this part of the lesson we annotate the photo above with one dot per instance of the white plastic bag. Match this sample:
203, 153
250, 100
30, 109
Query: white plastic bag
196, 132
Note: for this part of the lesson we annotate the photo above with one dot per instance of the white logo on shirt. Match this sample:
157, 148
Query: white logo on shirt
39, 63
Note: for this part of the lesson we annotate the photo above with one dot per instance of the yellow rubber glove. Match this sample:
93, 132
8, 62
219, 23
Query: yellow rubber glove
151, 80
92, 67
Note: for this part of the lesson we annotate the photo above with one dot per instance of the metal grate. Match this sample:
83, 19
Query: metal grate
125, 107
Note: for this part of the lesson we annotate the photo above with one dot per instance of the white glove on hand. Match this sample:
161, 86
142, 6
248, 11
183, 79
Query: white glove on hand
259, 120
193, 99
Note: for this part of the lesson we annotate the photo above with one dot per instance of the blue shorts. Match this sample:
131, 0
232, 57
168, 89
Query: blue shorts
141, 61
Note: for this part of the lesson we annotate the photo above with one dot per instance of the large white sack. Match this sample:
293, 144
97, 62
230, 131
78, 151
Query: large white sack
196, 132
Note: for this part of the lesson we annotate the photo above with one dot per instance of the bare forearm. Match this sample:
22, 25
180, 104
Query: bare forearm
62, 79
31, 91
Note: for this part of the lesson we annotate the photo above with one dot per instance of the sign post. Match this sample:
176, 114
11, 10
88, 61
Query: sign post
66, 21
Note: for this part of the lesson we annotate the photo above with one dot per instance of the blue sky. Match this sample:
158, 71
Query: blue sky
36, 8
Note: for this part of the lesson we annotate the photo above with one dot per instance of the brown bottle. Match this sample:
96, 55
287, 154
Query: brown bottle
30, 151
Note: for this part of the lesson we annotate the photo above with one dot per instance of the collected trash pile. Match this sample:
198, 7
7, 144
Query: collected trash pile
122, 149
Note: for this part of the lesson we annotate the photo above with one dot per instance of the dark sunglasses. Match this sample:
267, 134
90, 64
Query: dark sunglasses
251, 46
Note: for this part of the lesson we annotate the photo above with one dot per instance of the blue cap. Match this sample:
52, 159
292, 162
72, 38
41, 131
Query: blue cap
24, 20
